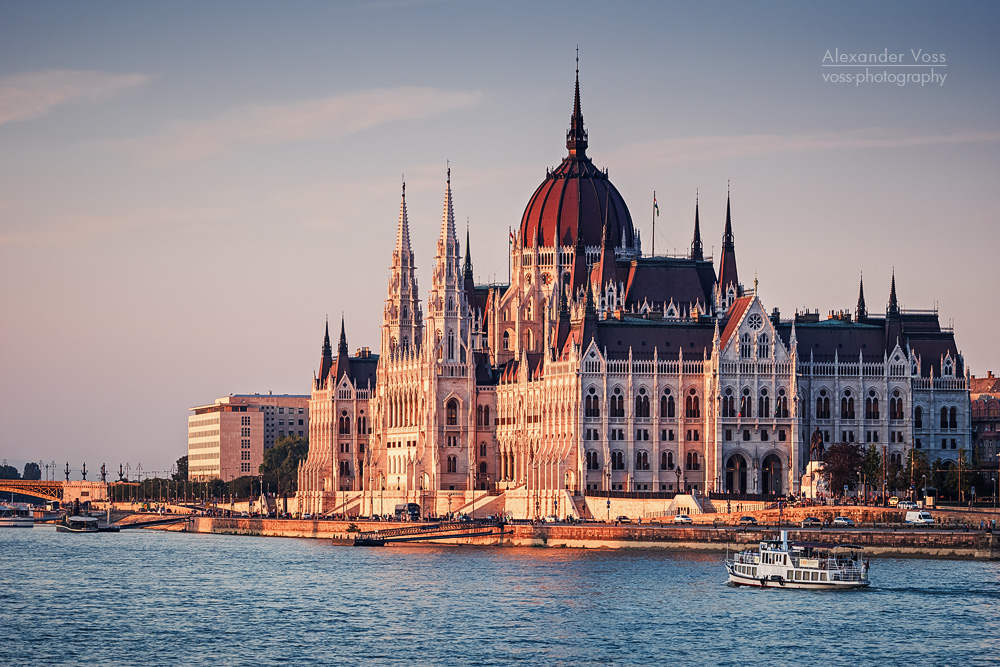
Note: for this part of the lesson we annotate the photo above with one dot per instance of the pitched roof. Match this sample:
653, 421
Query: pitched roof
734, 316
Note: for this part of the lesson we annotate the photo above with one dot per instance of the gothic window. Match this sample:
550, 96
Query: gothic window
479, 415
746, 404
451, 302
641, 460
591, 406
617, 403
692, 461
667, 408
593, 462
763, 404
483, 471
406, 312
693, 405
482, 449
617, 461
362, 425
953, 418
642, 403
452, 464
871, 405
452, 412
847, 405
763, 347
781, 405
486, 416
666, 461
822, 405
345, 468
746, 345
345, 424
948, 370
451, 345
526, 339
944, 417
728, 403
506, 340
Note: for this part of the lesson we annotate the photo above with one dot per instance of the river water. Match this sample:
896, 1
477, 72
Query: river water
153, 598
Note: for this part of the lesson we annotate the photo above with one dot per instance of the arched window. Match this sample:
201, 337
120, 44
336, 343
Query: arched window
592, 406
452, 412
746, 346
918, 417
944, 417
953, 418
593, 462
617, 461
486, 416
781, 405
871, 405
617, 403
847, 405
452, 464
641, 460
642, 403
693, 405
667, 408
728, 403
948, 368
895, 406
506, 340
345, 423
482, 449
763, 347
746, 404
823, 405
763, 404
479, 415
692, 461
451, 345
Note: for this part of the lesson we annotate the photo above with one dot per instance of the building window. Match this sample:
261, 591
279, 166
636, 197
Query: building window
871, 405
452, 464
642, 403
591, 404
693, 405
781, 405
452, 412
918, 417
617, 403
746, 404
823, 405
763, 347
763, 404
692, 461
746, 345
728, 403
617, 461
641, 460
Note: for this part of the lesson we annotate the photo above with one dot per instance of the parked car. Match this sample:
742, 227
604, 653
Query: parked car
552, 518
682, 518
920, 517
746, 521
894, 502
843, 522
623, 519
906, 505
811, 521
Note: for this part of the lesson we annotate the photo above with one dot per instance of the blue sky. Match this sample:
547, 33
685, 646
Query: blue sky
188, 189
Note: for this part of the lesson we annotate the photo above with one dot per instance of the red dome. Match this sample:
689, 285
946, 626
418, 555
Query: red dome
575, 200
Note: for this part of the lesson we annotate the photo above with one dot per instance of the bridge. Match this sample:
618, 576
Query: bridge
430, 531
36, 489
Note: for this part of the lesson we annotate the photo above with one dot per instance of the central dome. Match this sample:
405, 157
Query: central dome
576, 199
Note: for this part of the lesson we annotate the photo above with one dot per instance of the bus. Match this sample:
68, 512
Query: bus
408, 512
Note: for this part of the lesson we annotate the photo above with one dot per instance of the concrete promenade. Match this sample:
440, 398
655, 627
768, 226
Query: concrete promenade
878, 540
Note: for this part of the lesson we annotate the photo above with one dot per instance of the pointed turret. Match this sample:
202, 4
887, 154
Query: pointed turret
576, 136
861, 314
447, 304
697, 249
727, 269
893, 308
609, 271
469, 285
402, 324
326, 358
342, 345
342, 363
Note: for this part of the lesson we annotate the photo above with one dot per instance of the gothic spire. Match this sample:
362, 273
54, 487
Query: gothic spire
403, 229
697, 249
468, 256
448, 217
727, 269
893, 302
326, 357
576, 137
862, 311
342, 346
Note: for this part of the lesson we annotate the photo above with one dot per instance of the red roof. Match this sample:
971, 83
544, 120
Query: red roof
736, 312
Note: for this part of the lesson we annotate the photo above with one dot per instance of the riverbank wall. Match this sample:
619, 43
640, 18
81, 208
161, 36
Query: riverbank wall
900, 542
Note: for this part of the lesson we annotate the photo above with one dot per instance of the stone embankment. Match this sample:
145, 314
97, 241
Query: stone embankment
896, 541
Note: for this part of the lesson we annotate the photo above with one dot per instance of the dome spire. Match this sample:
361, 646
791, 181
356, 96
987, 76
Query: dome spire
576, 136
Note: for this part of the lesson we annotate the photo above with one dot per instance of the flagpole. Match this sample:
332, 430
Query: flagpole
510, 250
654, 223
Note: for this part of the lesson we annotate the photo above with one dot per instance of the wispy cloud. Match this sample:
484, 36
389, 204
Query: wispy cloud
693, 150
32, 94
319, 118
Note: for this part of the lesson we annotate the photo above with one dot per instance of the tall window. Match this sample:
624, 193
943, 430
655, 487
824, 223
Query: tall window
746, 346
641, 460
763, 347
667, 408
822, 405
953, 419
452, 412
642, 403
617, 461
746, 404
944, 417
617, 403
728, 403
692, 461
847, 405
918, 417
895, 406
452, 464
692, 405
871, 405
763, 404
591, 404
781, 405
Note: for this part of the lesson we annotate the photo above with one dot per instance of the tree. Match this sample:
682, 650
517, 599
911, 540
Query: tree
31, 471
959, 478
914, 469
281, 462
841, 464
8, 472
182, 469
871, 468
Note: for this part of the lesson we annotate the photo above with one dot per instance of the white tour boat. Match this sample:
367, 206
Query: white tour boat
18, 515
780, 563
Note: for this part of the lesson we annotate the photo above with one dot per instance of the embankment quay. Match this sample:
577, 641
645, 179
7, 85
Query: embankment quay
888, 541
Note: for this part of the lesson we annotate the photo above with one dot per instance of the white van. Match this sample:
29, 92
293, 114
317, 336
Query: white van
919, 516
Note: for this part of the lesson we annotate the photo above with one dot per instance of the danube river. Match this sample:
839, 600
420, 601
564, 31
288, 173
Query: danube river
153, 598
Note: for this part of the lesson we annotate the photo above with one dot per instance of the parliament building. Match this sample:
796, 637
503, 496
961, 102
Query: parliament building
601, 373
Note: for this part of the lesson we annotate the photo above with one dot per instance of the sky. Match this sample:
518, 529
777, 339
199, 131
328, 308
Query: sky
188, 190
